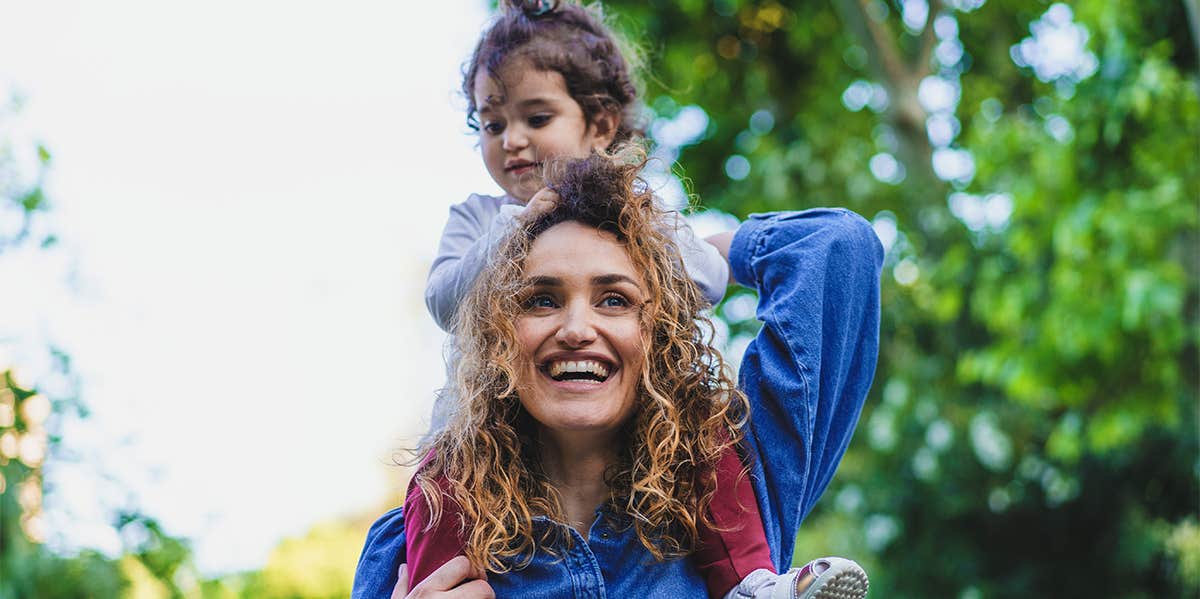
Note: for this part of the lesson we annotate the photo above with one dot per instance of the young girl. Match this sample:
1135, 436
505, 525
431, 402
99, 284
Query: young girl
547, 80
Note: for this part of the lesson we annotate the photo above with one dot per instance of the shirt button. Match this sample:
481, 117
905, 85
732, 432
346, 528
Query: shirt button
604, 534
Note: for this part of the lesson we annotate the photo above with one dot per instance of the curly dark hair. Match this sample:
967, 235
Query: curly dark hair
688, 410
572, 40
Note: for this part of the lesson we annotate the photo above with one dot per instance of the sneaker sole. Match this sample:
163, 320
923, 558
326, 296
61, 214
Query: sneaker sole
844, 580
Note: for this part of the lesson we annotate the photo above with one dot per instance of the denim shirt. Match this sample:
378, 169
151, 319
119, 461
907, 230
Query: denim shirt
806, 374
610, 563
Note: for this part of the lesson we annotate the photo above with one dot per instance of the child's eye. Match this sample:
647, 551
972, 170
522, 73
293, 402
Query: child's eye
493, 127
539, 120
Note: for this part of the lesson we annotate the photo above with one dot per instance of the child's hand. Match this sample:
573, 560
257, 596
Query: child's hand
542, 202
722, 241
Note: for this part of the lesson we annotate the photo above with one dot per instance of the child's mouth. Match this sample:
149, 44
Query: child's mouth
523, 168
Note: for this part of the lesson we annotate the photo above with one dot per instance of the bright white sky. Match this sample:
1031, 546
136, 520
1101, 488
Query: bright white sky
249, 194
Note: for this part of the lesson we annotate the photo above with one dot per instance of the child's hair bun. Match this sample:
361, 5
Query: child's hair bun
534, 9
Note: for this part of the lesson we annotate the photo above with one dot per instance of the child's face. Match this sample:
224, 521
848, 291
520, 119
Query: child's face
528, 117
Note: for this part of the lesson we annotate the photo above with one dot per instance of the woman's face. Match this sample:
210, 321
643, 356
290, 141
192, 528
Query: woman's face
580, 331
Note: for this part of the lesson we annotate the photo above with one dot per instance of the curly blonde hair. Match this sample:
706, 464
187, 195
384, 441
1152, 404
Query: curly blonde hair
688, 410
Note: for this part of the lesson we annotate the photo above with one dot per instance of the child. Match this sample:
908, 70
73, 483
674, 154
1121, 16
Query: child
547, 80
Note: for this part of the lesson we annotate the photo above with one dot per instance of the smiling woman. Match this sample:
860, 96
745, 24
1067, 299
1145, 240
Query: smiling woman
580, 334
564, 409
599, 434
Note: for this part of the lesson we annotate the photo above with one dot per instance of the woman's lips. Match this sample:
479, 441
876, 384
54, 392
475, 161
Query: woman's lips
580, 385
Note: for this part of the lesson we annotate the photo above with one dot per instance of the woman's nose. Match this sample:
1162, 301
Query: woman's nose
577, 328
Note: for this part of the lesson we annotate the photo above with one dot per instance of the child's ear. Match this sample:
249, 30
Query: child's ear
604, 129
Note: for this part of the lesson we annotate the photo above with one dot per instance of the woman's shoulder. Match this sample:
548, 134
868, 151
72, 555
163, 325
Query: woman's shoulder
404, 535
393, 526
390, 521
387, 531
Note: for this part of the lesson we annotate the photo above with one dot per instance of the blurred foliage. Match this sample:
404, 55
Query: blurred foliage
1032, 429
27, 567
153, 564
30, 420
23, 167
319, 565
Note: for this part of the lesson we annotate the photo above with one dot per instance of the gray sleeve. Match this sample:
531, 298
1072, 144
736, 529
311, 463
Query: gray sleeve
468, 242
704, 264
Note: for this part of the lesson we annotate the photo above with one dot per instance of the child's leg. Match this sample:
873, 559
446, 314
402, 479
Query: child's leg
737, 546
735, 561
825, 578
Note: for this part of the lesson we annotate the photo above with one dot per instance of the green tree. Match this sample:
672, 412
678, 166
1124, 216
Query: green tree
1033, 425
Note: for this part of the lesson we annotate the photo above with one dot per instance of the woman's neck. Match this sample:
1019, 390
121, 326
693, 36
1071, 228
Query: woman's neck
577, 470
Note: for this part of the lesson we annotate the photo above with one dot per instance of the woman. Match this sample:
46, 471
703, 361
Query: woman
588, 381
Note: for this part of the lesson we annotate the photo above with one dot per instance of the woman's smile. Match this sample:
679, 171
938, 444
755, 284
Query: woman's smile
568, 367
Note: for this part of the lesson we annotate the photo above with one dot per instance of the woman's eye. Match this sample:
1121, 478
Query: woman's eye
539, 301
539, 120
614, 301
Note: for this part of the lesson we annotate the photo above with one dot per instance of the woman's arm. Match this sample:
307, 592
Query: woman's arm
808, 370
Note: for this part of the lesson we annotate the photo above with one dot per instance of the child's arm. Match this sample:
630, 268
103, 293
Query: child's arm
703, 262
469, 240
472, 234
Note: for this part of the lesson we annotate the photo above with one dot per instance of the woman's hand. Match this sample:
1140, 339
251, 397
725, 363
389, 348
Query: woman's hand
455, 579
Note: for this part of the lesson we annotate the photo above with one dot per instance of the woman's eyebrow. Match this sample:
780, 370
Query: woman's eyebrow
613, 279
543, 281
599, 280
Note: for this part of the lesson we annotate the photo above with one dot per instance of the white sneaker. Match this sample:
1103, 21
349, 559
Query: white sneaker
824, 578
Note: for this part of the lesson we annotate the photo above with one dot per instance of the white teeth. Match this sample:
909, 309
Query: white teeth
591, 366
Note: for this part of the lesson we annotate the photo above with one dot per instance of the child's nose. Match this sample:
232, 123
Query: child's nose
515, 138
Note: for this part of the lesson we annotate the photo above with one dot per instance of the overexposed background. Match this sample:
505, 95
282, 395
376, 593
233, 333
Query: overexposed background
248, 195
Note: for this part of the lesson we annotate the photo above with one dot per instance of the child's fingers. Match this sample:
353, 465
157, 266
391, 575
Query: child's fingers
542, 202
545, 195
